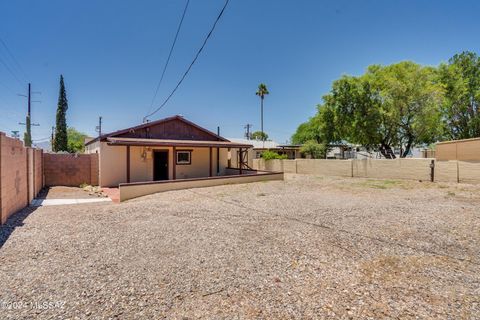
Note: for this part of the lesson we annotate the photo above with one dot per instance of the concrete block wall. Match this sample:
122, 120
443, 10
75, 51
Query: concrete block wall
411, 169
18, 173
70, 169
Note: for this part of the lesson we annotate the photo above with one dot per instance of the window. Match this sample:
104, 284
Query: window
184, 157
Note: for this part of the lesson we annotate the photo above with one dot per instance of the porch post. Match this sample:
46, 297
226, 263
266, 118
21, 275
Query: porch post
174, 163
128, 164
218, 161
240, 161
210, 166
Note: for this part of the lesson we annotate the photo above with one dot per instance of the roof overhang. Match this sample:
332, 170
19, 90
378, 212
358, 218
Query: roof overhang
173, 143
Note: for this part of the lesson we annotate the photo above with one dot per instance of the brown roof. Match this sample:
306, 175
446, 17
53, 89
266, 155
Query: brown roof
177, 143
212, 136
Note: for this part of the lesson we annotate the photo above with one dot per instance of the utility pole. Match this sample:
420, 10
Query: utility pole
27, 138
247, 130
53, 136
99, 127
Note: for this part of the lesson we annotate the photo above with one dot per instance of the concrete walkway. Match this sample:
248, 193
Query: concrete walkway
57, 202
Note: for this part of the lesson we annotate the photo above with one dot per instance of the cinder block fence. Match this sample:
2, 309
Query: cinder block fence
21, 175
25, 171
412, 169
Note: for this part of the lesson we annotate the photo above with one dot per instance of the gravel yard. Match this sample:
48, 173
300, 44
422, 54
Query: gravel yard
307, 247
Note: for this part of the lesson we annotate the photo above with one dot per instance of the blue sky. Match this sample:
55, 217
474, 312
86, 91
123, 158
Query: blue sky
111, 54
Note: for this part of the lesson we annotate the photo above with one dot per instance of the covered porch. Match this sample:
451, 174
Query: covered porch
149, 160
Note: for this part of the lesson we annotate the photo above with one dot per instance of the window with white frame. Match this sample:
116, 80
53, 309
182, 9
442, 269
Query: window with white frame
184, 157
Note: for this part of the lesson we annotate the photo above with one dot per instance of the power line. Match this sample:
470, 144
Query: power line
11, 72
14, 59
192, 63
169, 56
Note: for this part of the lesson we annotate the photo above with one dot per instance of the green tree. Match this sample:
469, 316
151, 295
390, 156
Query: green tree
262, 92
76, 140
461, 79
388, 106
314, 149
259, 135
60, 142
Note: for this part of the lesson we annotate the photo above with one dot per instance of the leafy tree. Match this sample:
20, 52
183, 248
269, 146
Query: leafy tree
314, 149
388, 106
76, 140
60, 142
461, 79
269, 155
259, 135
262, 92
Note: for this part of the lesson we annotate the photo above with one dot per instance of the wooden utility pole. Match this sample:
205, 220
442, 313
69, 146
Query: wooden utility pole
27, 139
99, 127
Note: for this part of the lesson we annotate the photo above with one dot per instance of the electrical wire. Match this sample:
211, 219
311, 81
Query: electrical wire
14, 59
169, 56
192, 63
11, 72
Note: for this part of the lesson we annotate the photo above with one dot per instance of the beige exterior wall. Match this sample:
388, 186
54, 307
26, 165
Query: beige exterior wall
130, 191
113, 163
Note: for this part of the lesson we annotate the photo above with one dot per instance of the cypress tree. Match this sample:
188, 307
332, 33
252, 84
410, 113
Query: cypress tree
60, 142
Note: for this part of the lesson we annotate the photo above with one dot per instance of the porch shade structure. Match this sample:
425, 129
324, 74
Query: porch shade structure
128, 142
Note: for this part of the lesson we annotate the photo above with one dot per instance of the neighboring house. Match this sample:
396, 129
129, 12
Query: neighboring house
167, 149
258, 147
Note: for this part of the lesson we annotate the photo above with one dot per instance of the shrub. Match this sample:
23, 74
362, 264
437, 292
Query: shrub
269, 155
314, 149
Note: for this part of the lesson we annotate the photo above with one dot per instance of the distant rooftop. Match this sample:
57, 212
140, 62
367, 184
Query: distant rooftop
257, 144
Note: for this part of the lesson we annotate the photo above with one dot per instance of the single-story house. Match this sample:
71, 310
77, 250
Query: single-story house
167, 149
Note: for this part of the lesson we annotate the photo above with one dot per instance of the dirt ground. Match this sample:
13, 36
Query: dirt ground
308, 247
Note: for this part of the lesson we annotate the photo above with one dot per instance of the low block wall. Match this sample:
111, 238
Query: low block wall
341, 168
70, 169
21, 176
134, 190
411, 169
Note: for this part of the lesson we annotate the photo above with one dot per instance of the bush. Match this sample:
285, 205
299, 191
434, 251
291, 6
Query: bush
269, 155
314, 149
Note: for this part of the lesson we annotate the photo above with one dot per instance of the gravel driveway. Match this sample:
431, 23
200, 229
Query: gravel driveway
307, 247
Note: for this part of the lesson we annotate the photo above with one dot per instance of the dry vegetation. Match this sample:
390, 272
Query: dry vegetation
309, 247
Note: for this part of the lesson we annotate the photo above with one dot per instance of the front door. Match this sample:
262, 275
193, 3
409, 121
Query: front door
160, 165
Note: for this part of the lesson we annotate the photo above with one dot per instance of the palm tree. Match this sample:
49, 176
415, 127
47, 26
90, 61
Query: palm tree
262, 92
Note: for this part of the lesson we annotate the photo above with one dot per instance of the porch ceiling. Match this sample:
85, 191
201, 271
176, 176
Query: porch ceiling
175, 143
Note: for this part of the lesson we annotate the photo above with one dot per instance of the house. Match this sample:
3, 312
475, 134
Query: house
167, 149
258, 147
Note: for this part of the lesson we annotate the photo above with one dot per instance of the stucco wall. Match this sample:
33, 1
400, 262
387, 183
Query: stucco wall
132, 190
